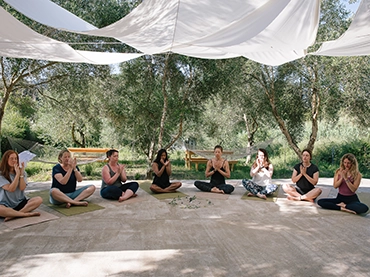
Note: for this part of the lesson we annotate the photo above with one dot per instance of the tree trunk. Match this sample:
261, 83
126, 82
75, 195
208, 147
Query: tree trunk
251, 129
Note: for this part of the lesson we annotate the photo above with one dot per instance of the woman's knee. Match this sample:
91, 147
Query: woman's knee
228, 189
287, 187
36, 200
91, 189
154, 188
360, 209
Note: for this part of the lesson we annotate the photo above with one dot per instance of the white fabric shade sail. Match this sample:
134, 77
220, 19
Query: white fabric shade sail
19, 41
271, 32
356, 40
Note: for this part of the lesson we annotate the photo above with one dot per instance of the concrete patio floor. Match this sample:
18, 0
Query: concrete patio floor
223, 236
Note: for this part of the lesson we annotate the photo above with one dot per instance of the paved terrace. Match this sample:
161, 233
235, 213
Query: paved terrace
224, 236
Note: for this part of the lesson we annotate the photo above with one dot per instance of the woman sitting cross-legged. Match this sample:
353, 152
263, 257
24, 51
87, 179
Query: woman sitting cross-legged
305, 176
162, 170
13, 182
114, 177
347, 179
218, 169
261, 171
65, 176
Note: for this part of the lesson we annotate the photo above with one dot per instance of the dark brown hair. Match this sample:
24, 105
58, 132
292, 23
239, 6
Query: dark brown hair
219, 147
308, 151
266, 162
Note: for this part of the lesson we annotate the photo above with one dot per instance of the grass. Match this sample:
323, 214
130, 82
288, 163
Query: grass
136, 170
282, 159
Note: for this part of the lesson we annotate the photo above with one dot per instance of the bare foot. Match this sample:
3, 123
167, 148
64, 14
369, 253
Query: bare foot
344, 209
305, 198
25, 215
121, 198
262, 196
250, 194
347, 210
217, 190
68, 205
295, 198
81, 203
170, 190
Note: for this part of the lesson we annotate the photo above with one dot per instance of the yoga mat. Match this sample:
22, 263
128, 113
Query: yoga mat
270, 198
145, 186
74, 210
21, 222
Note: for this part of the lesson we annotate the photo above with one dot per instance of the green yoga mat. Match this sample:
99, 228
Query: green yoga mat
74, 210
145, 186
270, 198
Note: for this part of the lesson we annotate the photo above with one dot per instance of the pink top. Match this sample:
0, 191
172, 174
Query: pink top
344, 189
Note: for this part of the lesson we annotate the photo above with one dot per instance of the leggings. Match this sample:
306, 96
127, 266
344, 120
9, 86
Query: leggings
204, 186
255, 189
352, 203
114, 192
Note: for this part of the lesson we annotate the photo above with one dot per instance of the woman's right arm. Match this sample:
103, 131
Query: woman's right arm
208, 169
254, 169
11, 187
106, 176
156, 169
338, 178
296, 176
63, 179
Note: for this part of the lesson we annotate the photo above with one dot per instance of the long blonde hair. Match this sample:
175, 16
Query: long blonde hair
354, 164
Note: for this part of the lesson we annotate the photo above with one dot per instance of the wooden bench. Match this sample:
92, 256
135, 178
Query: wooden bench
194, 158
96, 154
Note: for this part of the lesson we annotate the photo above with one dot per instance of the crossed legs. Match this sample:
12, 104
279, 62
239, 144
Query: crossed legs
171, 188
293, 194
60, 197
32, 204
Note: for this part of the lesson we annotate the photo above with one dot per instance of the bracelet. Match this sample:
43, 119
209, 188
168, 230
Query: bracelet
22, 176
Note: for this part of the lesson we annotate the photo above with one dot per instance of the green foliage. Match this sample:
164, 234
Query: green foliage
89, 169
38, 172
14, 124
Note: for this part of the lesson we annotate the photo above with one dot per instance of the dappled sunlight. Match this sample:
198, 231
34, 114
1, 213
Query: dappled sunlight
267, 227
215, 216
100, 263
293, 207
336, 269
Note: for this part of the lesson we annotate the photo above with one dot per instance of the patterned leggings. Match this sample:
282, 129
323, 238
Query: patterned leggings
255, 189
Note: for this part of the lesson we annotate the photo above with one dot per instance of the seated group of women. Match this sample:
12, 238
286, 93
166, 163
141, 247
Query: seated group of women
305, 178
66, 174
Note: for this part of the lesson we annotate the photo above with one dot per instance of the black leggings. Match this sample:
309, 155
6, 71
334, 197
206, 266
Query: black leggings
113, 192
352, 203
204, 186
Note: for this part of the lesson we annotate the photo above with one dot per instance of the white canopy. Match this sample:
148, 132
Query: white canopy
356, 40
271, 32
19, 41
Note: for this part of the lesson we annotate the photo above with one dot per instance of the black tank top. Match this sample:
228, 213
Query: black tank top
217, 178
